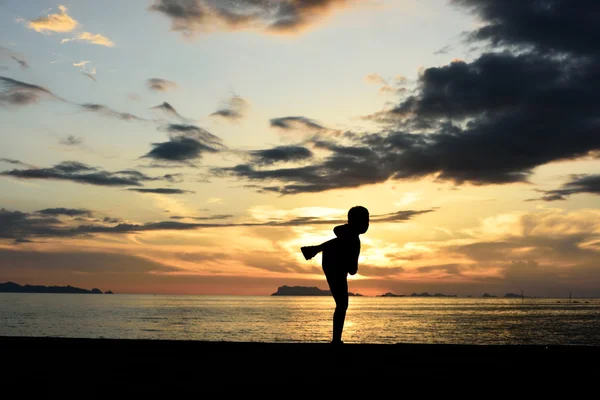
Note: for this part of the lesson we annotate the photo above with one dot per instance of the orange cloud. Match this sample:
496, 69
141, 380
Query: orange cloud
60, 22
94, 38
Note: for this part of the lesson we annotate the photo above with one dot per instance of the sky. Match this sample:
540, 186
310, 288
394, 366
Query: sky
193, 146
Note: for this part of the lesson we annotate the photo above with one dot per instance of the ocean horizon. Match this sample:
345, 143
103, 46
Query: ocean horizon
304, 319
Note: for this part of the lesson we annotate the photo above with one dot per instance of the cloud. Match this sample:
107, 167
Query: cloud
71, 141
376, 79
186, 143
233, 109
134, 96
174, 178
93, 38
17, 93
162, 191
212, 217
278, 17
579, 184
289, 123
280, 154
443, 50
82, 65
90, 75
160, 85
59, 22
8, 54
15, 162
106, 111
20, 225
77, 172
71, 212
492, 120
549, 26
22, 63
168, 109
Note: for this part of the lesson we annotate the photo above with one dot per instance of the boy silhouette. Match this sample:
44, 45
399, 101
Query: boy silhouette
340, 258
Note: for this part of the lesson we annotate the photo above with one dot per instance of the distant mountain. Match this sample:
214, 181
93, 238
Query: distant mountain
425, 294
305, 291
390, 294
11, 287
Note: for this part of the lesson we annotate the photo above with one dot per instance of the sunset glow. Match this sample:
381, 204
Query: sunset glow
192, 147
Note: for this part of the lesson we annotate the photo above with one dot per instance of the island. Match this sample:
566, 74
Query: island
390, 294
488, 295
425, 294
305, 291
513, 296
11, 287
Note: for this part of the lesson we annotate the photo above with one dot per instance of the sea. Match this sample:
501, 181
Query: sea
377, 320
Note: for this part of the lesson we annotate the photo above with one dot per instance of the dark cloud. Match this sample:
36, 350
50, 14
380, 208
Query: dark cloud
233, 109
345, 166
8, 54
168, 109
17, 93
174, 178
104, 110
160, 85
295, 123
18, 225
578, 184
71, 212
549, 25
22, 63
89, 75
282, 16
187, 143
14, 92
209, 218
280, 154
162, 191
80, 173
443, 50
492, 120
15, 162
71, 141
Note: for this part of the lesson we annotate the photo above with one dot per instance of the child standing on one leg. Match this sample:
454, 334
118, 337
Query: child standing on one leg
340, 258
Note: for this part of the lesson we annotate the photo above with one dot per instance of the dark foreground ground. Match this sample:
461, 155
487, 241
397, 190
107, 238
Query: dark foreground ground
160, 366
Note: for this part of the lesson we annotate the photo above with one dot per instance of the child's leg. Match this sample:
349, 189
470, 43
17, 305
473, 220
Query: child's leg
310, 251
338, 285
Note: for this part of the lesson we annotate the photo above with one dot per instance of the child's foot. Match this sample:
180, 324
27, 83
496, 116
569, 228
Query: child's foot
309, 252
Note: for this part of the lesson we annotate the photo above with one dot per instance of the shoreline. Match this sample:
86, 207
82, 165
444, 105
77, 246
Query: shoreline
121, 363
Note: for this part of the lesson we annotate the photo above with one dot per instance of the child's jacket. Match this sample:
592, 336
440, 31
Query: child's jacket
340, 255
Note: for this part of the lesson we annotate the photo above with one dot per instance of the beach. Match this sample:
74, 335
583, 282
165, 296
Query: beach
163, 365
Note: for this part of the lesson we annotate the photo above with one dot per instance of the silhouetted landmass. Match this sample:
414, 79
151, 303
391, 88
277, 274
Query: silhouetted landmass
390, 294
425, 294
305, 291
490, 295
11, 287
513, 296
109, 292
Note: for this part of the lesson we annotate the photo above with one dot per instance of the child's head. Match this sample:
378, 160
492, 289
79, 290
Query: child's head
358, 217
